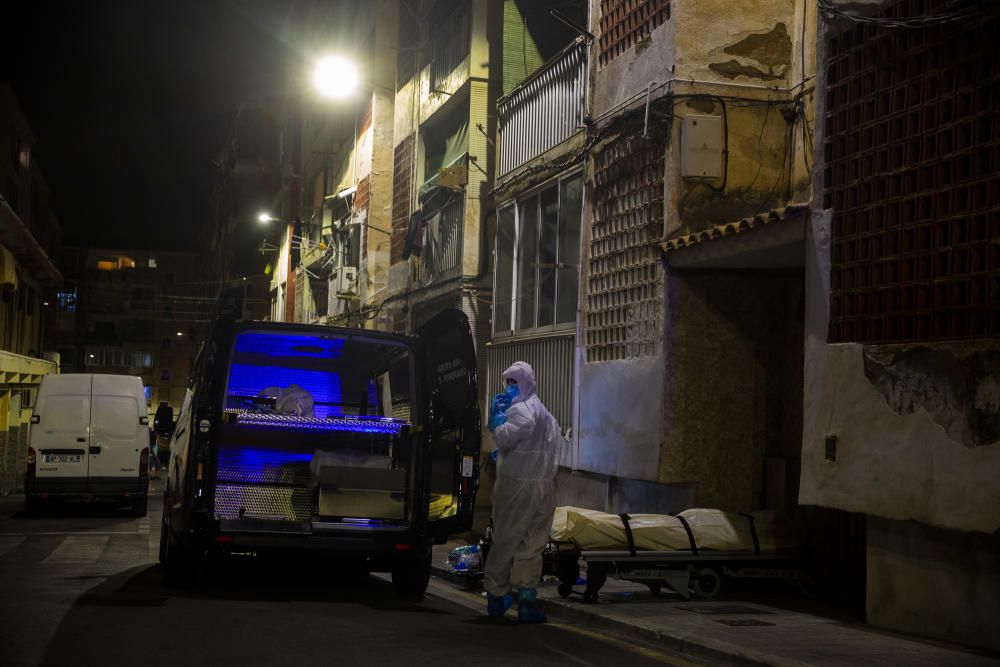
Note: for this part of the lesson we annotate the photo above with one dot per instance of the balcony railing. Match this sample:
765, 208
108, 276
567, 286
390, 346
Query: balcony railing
545, 109
442, 253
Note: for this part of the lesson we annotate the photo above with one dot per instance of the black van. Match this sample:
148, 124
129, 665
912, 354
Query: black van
341, 442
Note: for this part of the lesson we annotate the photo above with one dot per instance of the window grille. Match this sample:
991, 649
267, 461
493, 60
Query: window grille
912, 175
625, 23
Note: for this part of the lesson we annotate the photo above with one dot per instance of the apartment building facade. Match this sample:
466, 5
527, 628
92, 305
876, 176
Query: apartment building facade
132, 312
29, 241
902, 307
666, 207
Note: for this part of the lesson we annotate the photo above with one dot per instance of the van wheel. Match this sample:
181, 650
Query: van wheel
139, 506
32, 506
410, 577
178, 565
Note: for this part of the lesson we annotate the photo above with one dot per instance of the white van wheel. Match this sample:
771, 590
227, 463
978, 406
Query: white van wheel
140, 506
32, 505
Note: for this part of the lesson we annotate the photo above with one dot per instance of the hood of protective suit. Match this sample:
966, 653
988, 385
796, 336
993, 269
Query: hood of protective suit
521, 371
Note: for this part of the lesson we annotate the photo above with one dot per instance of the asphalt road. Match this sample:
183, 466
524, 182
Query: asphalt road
81, 586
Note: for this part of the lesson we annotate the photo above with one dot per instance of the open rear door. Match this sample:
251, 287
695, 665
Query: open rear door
448, 360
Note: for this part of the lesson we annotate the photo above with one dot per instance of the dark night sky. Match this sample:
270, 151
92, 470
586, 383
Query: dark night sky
130, 101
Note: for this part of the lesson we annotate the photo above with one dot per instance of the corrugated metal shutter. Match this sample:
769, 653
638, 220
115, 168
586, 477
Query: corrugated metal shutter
552, 360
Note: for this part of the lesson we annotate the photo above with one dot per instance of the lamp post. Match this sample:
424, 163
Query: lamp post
335, 77
265, 218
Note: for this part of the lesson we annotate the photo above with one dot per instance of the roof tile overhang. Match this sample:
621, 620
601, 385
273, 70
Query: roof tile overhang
16, 236
767, 240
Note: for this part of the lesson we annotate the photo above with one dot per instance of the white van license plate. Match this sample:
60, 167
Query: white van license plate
62, 458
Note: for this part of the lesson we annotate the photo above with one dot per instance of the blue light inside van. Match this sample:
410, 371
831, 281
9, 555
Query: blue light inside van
381, 425
247, 381
284, 345
259, 458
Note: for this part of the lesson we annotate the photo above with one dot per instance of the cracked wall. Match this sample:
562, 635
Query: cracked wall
958, 387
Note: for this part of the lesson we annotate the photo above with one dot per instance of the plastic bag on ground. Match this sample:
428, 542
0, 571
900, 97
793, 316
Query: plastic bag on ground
465, 558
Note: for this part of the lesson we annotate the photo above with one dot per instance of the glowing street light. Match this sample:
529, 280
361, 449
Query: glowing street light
264, 218
336, 77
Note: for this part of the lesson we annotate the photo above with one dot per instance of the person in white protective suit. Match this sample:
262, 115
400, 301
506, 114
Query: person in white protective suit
527, 438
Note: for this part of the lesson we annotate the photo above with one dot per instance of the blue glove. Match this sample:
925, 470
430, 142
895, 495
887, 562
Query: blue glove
496, 419
498, 406
493, 455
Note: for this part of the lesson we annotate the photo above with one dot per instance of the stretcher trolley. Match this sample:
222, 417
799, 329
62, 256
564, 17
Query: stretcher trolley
688, 571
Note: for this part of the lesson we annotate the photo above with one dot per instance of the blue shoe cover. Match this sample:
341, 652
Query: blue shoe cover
497, 605
527, 607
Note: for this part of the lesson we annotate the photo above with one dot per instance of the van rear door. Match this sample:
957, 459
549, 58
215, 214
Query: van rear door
452, 421
61, 435
117, 435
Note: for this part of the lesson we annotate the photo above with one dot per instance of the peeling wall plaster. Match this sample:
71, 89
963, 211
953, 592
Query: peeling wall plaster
766, 56
959, 388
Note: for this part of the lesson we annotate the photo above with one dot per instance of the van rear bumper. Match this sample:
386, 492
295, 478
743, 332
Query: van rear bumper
84, 487
381, 545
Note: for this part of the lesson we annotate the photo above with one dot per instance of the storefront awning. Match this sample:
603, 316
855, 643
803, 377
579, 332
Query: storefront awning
773, 240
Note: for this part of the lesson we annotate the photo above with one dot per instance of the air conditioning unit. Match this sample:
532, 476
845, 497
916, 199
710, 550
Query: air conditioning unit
347, 282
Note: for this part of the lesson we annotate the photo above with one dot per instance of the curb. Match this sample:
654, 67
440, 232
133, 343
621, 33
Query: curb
681, 643
689, 644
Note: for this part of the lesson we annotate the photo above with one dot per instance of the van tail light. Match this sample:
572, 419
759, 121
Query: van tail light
144, 461
31, 461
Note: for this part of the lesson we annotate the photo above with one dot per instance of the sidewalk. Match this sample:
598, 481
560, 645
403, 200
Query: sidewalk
736, 629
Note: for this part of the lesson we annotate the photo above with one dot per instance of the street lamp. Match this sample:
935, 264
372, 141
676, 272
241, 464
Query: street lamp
264, 218
335, 77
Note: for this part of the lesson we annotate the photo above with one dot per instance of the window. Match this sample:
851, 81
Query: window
67, 301
107, 264
451, 26
142, 297
164, 375
538, 258
23, 150
140, 360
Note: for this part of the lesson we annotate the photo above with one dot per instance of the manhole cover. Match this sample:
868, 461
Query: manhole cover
727, 610
741, 622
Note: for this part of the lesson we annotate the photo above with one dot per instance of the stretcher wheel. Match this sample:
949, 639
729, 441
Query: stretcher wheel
590, 597
706, 582
565, 590
655, 589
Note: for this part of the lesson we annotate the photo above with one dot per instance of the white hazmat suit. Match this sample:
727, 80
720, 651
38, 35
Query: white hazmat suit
523, 497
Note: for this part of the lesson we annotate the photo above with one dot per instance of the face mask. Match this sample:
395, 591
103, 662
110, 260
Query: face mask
512, 391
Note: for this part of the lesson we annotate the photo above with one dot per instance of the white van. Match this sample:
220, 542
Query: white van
89, 438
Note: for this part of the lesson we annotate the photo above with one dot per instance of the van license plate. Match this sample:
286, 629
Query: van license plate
62, 458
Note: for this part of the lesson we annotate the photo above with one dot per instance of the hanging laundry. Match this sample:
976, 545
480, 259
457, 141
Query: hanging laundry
414, 242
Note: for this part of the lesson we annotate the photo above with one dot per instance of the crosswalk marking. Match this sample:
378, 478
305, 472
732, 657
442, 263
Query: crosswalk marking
77, 549
8, 542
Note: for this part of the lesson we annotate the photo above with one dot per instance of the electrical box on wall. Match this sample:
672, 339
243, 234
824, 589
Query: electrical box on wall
701, 147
